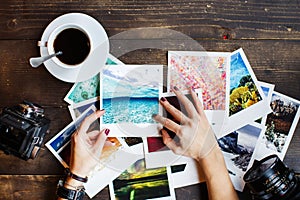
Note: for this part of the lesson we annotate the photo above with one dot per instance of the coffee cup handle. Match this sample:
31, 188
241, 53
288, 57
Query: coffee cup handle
42, 44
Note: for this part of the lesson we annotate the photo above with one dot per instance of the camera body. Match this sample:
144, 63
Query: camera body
22, 130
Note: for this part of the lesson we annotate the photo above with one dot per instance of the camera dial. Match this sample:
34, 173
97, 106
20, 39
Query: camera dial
28, 109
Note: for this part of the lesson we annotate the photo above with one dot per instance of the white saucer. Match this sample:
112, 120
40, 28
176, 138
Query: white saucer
97, 57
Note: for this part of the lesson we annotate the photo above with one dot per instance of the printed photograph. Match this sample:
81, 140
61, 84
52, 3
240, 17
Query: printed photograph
60, 145
77, 109
138, 183
88, 89
130, 93
205, 70
156, 144
238, 147
131, 141
281, 122
243, 90
85, 90
64, 136
267, 89
157, 154
187, 174
111, 169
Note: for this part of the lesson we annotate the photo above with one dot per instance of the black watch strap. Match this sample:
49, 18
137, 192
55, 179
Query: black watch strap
68, 193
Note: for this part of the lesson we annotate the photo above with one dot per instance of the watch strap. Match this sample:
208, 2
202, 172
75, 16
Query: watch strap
68, 193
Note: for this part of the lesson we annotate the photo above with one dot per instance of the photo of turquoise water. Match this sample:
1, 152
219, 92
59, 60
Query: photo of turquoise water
134, 110
130, 95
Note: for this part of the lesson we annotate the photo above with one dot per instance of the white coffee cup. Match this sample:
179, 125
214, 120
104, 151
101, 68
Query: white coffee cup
50, 44
93, 59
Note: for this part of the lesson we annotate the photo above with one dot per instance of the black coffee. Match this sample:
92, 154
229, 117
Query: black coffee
74, 44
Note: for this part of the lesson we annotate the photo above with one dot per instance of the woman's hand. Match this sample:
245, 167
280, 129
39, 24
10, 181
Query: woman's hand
87, 146
196, 137
197, 140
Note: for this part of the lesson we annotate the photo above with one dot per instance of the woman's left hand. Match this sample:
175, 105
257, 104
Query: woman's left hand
86, 147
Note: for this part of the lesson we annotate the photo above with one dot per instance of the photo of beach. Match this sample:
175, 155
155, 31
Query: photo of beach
130, 93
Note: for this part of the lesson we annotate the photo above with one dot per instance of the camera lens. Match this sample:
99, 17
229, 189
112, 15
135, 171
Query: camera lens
270, 179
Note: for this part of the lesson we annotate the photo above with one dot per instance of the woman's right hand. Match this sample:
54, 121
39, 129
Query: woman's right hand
196, 137
197, 140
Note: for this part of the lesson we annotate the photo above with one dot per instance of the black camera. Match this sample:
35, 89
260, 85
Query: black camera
22, 130
271, 179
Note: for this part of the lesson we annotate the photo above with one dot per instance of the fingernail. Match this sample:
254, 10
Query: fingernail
154, 115
102, 109
163, 99
106, 131
193, 89
175, 88
160, 132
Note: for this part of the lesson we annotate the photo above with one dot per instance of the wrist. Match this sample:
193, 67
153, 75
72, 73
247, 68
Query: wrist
213, 162
71, 183
207, 145
79, 171
72, 175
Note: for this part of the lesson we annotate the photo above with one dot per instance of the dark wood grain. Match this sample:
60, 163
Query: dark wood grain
44, 187
274, 62
268, 31
199, 19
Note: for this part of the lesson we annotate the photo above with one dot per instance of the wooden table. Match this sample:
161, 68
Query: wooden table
268, 31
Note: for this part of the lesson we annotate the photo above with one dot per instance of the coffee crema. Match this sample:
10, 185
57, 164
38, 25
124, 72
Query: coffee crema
74, 44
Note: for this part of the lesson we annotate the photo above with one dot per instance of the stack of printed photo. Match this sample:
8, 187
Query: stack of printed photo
249, 118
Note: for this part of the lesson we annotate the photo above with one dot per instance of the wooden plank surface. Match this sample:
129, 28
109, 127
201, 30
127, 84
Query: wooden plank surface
199, 19
44, 187
268, 31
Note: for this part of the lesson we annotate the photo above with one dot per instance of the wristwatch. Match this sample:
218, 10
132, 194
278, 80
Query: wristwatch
69, 194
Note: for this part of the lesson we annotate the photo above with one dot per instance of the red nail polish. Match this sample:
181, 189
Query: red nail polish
160, 132
106, 131
163, 99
